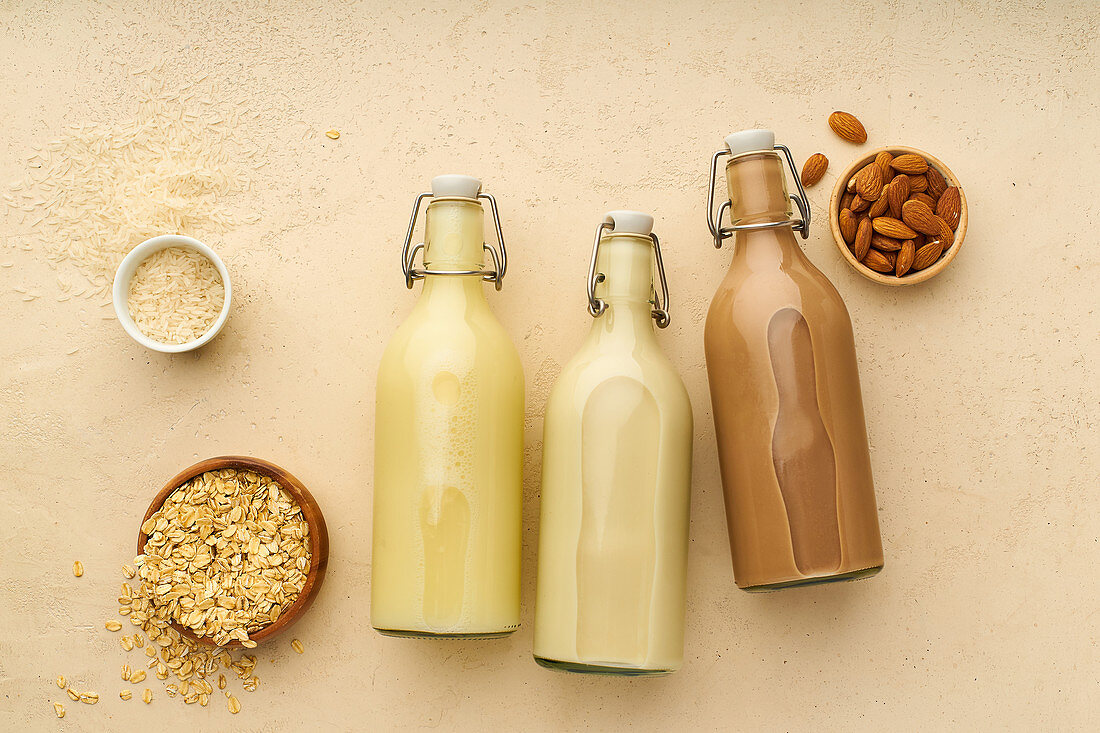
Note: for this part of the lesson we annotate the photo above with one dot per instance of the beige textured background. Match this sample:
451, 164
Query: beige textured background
981, 386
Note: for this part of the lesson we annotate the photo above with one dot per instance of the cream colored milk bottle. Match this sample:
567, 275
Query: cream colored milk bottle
616, 477
449, 438
788, 412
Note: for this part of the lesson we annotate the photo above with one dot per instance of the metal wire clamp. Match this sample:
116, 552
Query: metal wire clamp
714, 221
597, 306
408, 252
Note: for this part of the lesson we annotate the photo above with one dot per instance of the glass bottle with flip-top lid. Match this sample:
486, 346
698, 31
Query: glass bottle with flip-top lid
616, 476
788, 412
449, 437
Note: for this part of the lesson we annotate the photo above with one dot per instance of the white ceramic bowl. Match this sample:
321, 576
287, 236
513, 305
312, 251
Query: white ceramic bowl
121, 290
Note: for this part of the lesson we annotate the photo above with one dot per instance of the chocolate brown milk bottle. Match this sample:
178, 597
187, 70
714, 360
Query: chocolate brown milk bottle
788, 414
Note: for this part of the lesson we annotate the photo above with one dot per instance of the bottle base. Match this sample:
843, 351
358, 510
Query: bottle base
415, 634
600, 669
816, 580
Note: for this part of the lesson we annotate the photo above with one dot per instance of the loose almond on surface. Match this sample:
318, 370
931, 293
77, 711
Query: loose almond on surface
909, 163
848, 127
814, 169
949, 207
890, 227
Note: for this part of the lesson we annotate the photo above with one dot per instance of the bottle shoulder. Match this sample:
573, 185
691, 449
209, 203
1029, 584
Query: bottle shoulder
748, 297
592, 367
426, 336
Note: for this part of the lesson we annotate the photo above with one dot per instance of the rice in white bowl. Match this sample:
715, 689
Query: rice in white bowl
175, 295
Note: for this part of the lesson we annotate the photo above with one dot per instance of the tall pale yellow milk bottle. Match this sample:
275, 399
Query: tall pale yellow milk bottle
616, 477
449, 437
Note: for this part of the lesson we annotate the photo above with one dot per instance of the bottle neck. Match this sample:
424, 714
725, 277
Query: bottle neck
757, 188
454, 239
626, 263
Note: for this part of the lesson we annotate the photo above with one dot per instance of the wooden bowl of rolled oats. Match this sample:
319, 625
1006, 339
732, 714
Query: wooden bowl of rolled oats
232, 551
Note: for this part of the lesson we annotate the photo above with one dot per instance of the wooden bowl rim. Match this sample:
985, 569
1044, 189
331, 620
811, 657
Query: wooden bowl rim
311, 512
878, 277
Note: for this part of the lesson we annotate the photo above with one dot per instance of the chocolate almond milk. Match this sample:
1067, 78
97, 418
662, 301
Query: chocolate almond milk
788, 413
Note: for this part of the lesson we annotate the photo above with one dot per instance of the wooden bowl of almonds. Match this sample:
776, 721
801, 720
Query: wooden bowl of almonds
898, 215
232, 551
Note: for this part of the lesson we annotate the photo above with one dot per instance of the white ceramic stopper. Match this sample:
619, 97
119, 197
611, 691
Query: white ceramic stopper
629, 222
748, 141
455, 185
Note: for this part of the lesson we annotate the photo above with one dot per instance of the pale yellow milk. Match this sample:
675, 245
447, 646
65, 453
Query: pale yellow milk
448, 452
615, 489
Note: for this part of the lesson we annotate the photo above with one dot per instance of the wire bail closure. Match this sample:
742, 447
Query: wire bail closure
408, 252
597, 306
714, 220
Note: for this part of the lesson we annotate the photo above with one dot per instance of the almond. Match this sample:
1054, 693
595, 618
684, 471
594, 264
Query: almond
879, 207
847, 222
848, 127
814, 169
869, 182
859, 203
846, 200
936, 182
850, 186
945, 234
898, 194
906, 255
877, 261
920, 217
863, 238
949, 207
890, 227
910, 164
928, 200
917, 184
886, 244
927, 254
882, 160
